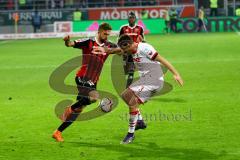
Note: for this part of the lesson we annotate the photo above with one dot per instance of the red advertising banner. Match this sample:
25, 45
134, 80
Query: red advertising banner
153, 12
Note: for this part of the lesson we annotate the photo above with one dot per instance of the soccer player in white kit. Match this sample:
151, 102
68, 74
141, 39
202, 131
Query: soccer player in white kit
147, 61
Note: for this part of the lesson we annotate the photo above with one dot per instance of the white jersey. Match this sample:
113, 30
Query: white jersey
151, 74
144, 60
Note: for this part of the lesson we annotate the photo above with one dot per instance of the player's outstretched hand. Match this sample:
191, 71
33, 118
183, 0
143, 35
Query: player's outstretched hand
66, 38
100, 50
178, 79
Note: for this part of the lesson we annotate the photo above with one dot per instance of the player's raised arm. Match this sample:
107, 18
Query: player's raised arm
106, 50
175, 73
117, 50
67, 41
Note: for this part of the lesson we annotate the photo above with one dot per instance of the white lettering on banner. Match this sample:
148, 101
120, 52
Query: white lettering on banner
124, 15
27, 16
162, 13
51, 15
154, 13
105, 15
115, 14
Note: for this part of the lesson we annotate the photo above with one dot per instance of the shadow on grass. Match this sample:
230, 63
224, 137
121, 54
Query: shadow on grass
152, 151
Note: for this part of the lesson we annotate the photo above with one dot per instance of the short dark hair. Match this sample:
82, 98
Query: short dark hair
104, 26
124, 41
131, 14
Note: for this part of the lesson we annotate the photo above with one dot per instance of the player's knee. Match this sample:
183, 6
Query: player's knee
124, 96
129, 98
83, 101
93, 96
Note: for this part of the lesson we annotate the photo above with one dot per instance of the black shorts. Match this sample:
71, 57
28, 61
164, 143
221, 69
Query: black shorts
84, 87
200, 23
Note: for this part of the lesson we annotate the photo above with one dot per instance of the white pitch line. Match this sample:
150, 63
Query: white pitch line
109, 64
3, 42
28, 67
7, 41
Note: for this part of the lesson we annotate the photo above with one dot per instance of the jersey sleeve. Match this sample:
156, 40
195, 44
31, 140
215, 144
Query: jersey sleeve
150, 52
80, 43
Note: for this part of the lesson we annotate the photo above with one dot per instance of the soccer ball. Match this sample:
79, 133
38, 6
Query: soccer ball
106, 104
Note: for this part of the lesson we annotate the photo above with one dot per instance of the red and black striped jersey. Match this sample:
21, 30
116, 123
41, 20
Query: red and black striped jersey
133, 32
91, 63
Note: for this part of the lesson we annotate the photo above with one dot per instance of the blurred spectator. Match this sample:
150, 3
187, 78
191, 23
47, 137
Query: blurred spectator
69, 3
152, 3
167, 20
238, 11
22, 4
173, 19
77, 15
52, 4
121, 3
213, 7
144, 14
61, 3
10, 4
39, 4
131, 2
201, 18
95, 4
57, 3
36, 21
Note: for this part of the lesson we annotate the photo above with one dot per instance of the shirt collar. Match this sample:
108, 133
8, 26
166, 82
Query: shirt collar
100, 44
132, 26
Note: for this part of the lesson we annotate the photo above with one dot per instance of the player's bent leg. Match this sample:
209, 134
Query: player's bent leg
132, 101
71, 113
75, 108
140, 122
130, 98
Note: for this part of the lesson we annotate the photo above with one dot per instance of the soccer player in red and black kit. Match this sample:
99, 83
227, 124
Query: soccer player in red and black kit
88, 75
136, 33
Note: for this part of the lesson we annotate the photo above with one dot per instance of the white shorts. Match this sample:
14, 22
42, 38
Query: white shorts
146, 86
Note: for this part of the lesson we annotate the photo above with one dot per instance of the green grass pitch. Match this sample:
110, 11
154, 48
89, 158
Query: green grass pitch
203, 116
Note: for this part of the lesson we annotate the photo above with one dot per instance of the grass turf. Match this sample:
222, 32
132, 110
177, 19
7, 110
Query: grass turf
203, 116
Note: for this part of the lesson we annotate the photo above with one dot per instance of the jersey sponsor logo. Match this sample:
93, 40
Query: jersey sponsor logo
137, 59
132, 34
